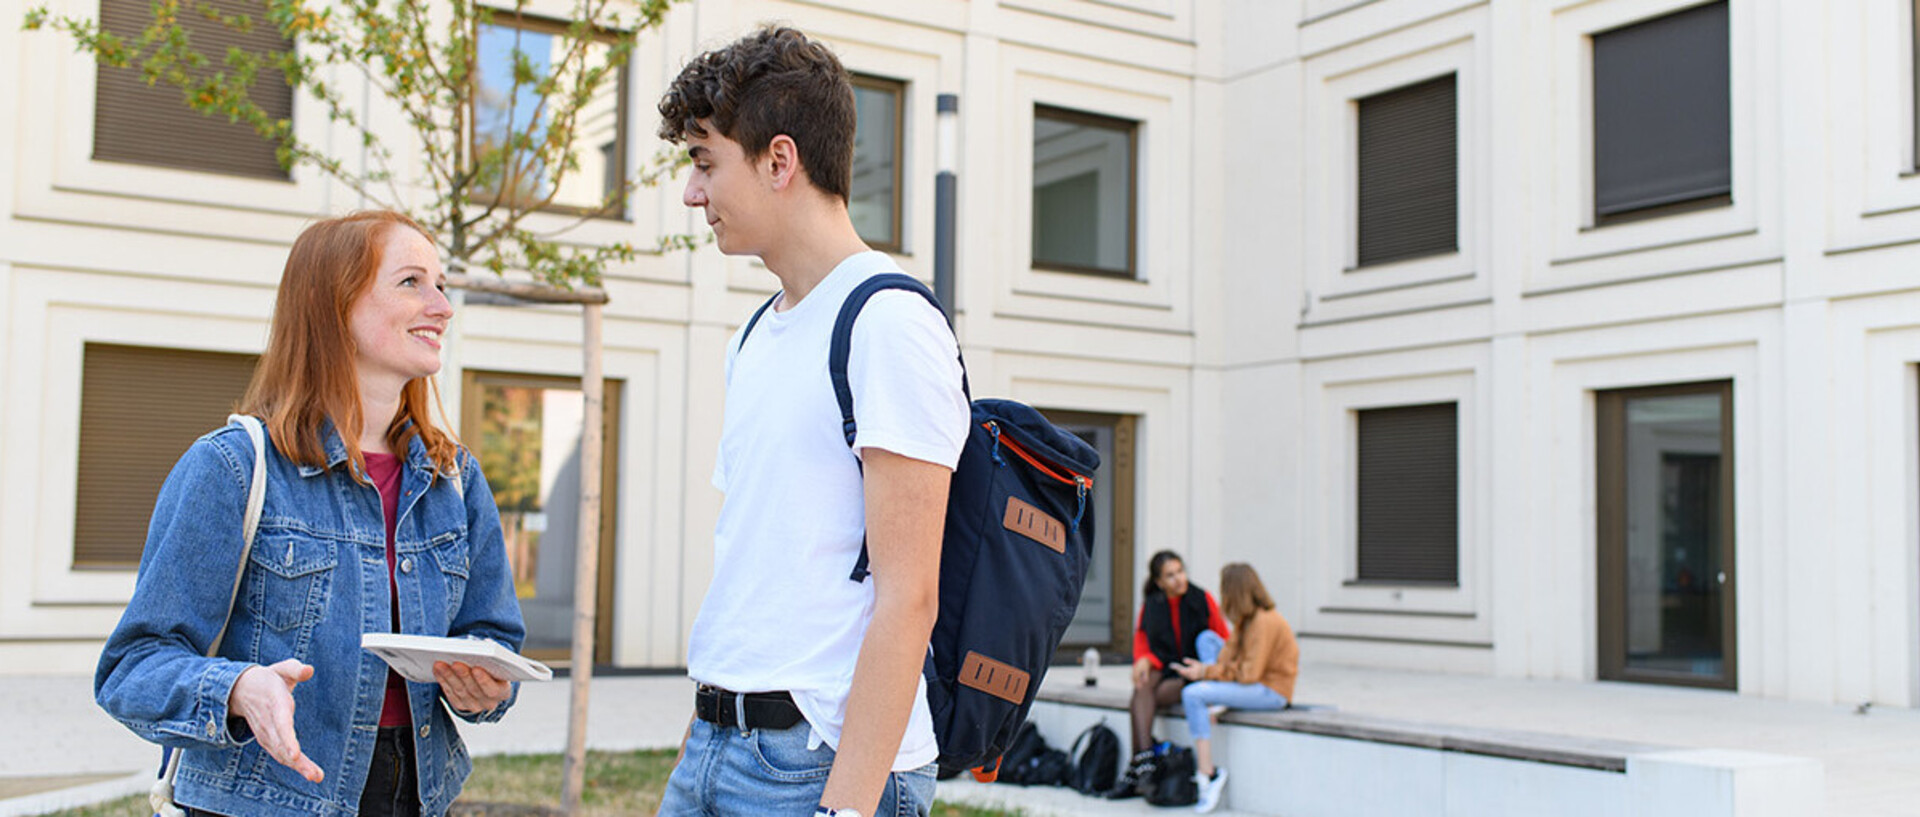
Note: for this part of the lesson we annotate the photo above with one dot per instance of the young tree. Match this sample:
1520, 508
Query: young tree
500, 108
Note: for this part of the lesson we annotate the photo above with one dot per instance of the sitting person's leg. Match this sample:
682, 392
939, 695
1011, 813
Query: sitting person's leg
1199, 697
1209, 646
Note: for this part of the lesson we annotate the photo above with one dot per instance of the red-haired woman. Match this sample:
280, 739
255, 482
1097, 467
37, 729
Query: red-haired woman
375, 519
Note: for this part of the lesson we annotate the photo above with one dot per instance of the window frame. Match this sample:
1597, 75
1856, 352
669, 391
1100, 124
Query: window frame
1132, 130
898, 88
1661, 210
520, 20
1455, 246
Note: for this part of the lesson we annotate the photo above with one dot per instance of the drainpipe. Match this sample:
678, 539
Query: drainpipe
946, 147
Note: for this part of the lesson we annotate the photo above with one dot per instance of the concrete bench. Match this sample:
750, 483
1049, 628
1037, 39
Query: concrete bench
1304, 762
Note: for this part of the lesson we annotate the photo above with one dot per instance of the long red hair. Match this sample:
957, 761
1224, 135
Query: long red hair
307, 374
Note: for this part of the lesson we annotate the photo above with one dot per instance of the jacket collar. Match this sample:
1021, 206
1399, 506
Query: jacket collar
335, 449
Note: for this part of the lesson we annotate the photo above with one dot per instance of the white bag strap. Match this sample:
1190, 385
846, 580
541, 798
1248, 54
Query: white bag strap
160, 797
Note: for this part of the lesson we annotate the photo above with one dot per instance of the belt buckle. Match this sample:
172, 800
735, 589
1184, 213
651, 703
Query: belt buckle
740, 710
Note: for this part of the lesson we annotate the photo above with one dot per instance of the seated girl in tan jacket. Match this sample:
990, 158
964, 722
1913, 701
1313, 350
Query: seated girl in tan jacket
1253, 670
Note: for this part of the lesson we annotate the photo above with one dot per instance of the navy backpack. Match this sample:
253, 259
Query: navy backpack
1014, 557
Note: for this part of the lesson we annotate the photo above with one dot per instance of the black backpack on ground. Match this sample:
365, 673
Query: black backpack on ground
1096, 760
1013, 560
1031, 762
1027, 745
1170, 782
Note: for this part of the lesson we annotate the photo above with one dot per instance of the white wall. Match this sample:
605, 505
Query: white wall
1800, 292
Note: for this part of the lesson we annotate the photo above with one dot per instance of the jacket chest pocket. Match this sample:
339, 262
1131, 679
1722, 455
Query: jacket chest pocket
449, 549
292, 579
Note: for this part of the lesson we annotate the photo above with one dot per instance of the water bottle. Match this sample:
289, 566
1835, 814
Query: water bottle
1090, 663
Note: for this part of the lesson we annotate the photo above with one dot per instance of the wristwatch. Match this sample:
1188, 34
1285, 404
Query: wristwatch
823, 811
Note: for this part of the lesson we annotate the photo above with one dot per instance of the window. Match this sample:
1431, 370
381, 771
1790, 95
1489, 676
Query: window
1662, 126
874, 201
504, 109
1409, 495
526, 430
1083, 192
140, 409
151, 124
1409, 177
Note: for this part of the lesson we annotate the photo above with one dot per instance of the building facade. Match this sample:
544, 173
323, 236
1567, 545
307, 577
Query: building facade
1547, 339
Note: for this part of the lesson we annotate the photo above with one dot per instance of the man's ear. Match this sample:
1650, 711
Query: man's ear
783, 158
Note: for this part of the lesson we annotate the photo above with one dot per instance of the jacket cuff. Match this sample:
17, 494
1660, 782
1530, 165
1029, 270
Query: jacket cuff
217, 725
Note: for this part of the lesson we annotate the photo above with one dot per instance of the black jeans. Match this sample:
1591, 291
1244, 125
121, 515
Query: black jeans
393, 782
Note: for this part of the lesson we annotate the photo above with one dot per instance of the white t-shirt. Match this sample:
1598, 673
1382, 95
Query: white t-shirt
782, 613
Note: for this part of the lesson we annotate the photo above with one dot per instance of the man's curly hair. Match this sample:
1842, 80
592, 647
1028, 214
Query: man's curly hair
771, 82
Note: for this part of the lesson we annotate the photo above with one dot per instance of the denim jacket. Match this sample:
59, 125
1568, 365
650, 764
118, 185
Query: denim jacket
316, 580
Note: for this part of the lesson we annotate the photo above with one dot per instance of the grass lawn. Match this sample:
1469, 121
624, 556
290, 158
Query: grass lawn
618, 783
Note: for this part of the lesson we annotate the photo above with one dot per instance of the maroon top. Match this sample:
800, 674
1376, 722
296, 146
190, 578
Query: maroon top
384, 469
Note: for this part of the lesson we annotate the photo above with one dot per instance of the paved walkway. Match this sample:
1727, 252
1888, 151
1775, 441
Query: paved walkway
53, 730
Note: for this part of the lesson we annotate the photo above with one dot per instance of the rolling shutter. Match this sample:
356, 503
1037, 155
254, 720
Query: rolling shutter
1409, 172
1662, 122
1409, 497
140, 408
152, 125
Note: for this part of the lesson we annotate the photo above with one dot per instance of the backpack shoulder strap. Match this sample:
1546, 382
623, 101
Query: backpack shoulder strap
160, 796
256, 499
842, 343
751, 322
841, 347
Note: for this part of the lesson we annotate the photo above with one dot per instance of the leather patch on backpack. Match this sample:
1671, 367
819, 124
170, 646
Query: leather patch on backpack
996, 678
1025, 519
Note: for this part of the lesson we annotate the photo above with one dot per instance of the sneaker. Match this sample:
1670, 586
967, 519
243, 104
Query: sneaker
1217, 710
1210, 789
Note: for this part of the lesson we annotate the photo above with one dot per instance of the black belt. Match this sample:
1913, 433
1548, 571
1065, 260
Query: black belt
748, 710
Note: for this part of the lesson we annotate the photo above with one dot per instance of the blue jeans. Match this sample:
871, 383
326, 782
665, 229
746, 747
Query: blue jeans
726, 771
1197, 696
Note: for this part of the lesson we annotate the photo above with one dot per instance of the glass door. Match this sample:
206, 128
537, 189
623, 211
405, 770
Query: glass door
526, 430
1105, 616
1666, 535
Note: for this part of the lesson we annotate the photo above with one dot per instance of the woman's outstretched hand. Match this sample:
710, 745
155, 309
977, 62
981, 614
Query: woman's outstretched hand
264, 696
470, 689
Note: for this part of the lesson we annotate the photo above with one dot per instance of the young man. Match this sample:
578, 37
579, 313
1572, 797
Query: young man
810, 699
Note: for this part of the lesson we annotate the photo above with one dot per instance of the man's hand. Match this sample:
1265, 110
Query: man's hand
264, 696
470, 689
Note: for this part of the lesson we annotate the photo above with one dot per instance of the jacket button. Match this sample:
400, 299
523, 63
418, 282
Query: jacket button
425, 730
212, 729
406, 565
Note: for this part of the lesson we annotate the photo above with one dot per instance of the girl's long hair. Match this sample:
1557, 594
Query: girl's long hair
307, 374
1242, 595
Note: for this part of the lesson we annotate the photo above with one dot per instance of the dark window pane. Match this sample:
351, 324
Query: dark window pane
140, 408
1409, 177
1082, 192
503, 108
152, 125
874, 201
1409, 497
1662, 119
